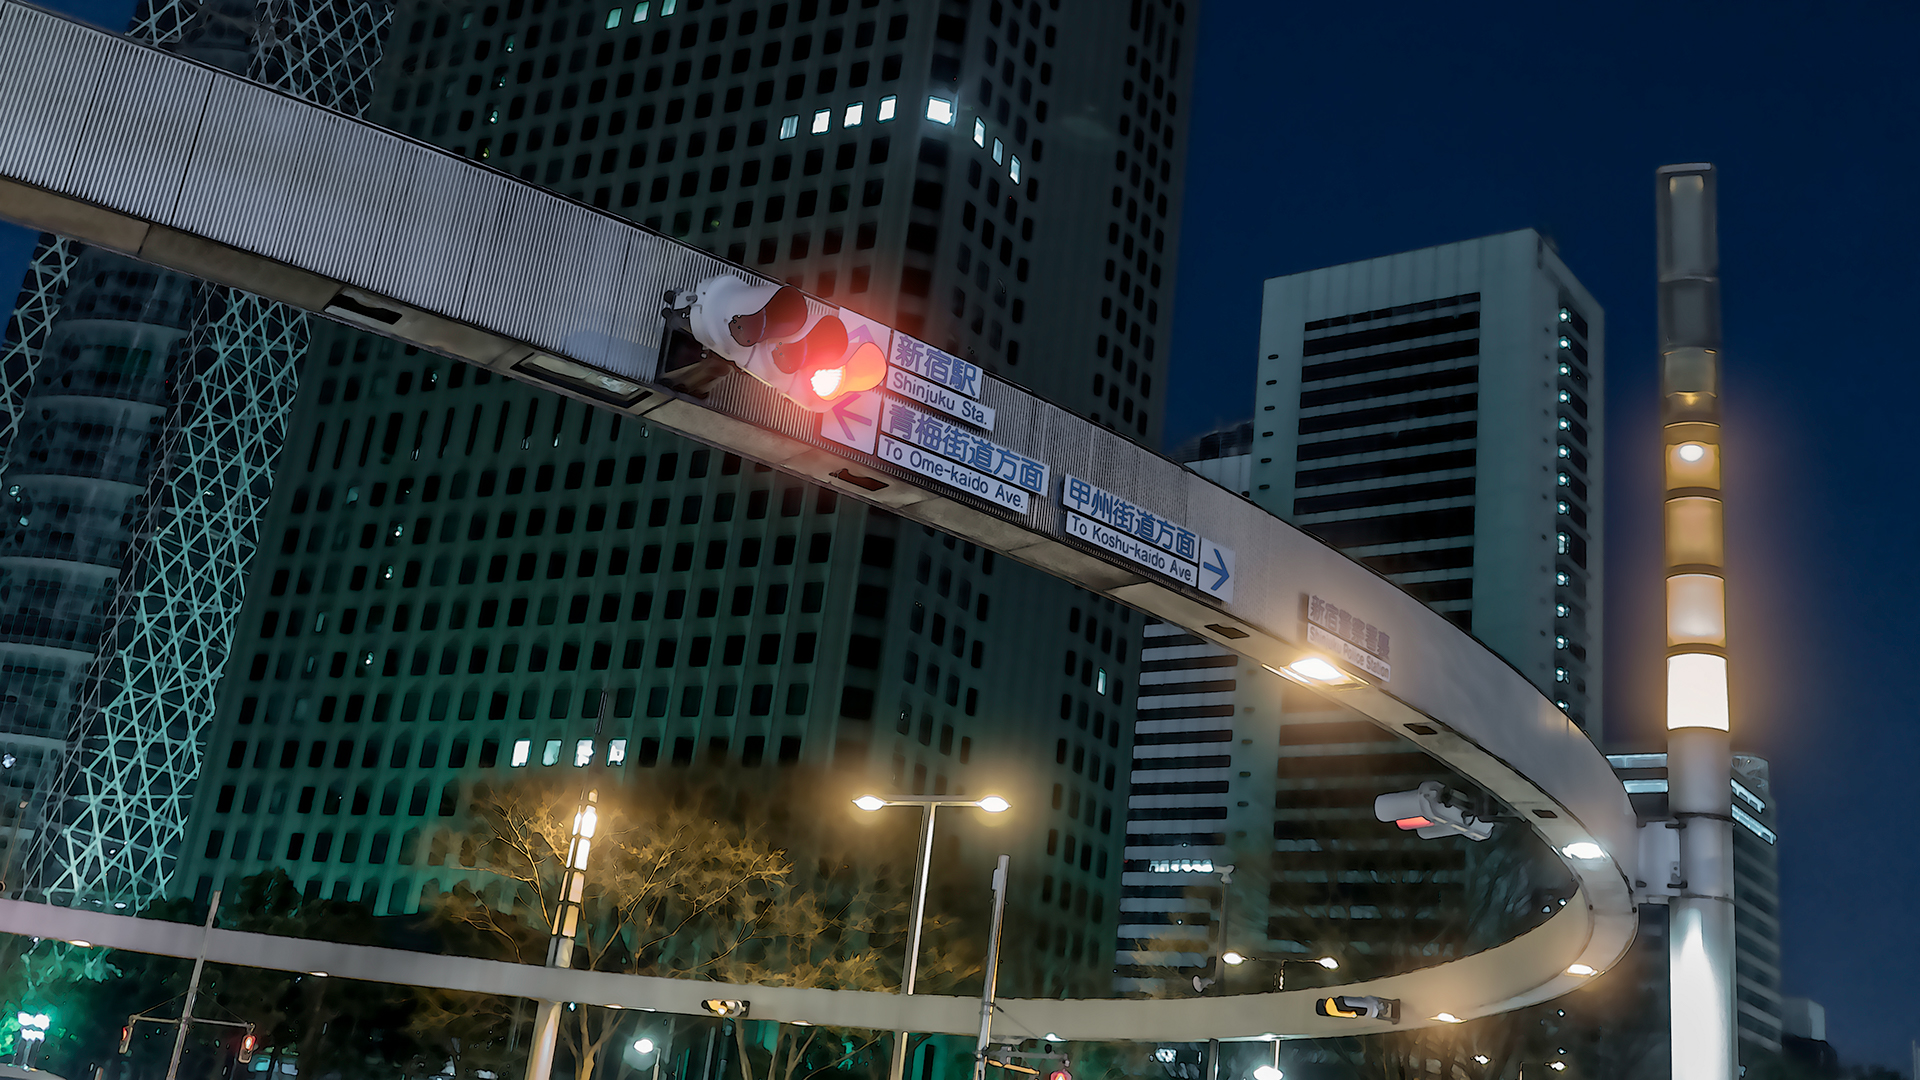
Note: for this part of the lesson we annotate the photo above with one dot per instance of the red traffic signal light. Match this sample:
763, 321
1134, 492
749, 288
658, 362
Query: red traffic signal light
126, 1038
247, 1044
772, 333
1059, 1074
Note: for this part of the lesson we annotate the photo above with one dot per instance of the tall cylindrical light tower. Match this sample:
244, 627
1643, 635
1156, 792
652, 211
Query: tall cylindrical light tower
1699, 747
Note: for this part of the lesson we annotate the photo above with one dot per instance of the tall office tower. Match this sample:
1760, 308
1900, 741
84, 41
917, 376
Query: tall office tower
458, 565
144, 411
1438, 415
1250, 827
1751, 803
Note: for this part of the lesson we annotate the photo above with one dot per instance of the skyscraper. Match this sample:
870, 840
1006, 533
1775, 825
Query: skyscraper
1438, 415
457, 568
143, 412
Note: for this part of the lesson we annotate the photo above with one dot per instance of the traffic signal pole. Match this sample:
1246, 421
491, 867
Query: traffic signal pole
193, 991
1699, 740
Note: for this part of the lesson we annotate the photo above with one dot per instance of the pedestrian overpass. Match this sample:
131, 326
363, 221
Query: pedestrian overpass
198, 171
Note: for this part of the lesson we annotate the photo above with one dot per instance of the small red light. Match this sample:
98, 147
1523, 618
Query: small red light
1411, 823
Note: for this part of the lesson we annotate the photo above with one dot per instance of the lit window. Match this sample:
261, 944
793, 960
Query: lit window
940, 110
613, 18
640, 10
855, 113
1563, 507
583, 750
550, 754
1564, 480
1100, 683
667, 6
887, 105
1559, 674
522, 748
617, 752
789, 126
999, 152
1561, 542
979, 132
1560, 579
822, 120
1013, 169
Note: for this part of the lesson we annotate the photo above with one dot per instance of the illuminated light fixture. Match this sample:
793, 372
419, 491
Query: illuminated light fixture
1268, 1072
1581, 970
1481, 1059
1411, 823
1051, 1037
1318, 670
1557, 1066
1233, 958
1697, 691
1448, 1018
1584, 849
1328, 962
318, 974
870, 803
994, 804
887, 106
644, 1046
1691, 452
582, 379
855, 113
727, 1008
82, 944
940, 110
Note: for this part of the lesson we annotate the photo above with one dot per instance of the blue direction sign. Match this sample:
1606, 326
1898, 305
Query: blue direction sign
1216, 569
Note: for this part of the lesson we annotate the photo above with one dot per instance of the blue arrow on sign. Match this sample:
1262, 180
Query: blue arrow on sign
1218, 561
844, 421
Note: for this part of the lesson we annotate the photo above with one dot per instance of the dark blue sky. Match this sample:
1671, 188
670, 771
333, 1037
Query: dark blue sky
1338, 132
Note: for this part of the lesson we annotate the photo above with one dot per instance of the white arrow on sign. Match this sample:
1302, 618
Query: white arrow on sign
1216, 569
853, 421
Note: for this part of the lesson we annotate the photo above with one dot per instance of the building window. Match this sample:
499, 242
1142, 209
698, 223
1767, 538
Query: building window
822, 120
940, 110
550, 754
617, 752
887, 106
522, 748
855, 113
789, 126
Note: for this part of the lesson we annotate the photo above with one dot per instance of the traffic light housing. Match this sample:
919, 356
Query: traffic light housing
1424, 812
772, 333
1359, 1008
727, 1008
126, 1038
247, 1044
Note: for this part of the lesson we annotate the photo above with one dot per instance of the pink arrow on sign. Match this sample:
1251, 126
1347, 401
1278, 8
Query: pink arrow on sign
854, 421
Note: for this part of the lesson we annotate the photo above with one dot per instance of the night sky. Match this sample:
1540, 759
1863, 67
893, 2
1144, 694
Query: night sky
1330, 133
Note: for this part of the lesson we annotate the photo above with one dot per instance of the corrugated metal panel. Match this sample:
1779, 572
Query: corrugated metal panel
652, 268
439, 208
47, 67
548, 272
141, 131
248, 164
340, 235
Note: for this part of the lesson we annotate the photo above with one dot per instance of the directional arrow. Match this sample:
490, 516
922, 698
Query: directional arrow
1217, 561
854, 420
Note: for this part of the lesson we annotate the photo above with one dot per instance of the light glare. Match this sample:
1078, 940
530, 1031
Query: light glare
826, 381
869, 803
1233, 958
940, 110
645, 1046
994, 804
1268, 1072
1584, 849
1580, 969
1315, 668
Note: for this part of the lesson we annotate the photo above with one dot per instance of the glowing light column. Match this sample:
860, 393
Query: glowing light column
1699, 747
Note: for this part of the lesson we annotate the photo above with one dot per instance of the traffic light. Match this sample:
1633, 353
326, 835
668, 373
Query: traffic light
247, 1044
1424, 811
1359, 1008
773, 334
1059, 1074
732, 1010
126, 1038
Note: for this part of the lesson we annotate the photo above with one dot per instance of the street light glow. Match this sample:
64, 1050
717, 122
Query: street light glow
1233, 958
1316, 669
994, 804
870, 803
1268, 1072
644, 1045
1328, 962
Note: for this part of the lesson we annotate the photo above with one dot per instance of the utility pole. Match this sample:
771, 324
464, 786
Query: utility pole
1699, 739
193, 991
993, 970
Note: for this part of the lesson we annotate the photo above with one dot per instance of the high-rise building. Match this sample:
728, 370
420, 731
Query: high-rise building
142, 411
1439, 415
1436, 415
456, 567
1761, 1017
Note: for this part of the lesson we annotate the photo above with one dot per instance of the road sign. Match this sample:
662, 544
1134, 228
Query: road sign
1216, 570
853, 420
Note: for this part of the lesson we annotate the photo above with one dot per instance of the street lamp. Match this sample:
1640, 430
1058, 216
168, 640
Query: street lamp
566, 926
992, 804
1235, 959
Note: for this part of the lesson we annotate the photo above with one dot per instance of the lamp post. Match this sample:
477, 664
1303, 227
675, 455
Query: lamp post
566, 925
1280, 964
992, 804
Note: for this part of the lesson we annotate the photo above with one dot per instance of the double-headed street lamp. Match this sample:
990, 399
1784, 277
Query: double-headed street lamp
992, 804
1235, 959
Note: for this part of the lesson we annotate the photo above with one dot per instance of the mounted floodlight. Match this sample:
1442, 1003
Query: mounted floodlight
870, 803
1581, 969
1584, 849
1425, 813
1233, 958
1268, 1072
1328, 962
771, 332
994, 804
643, 1045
